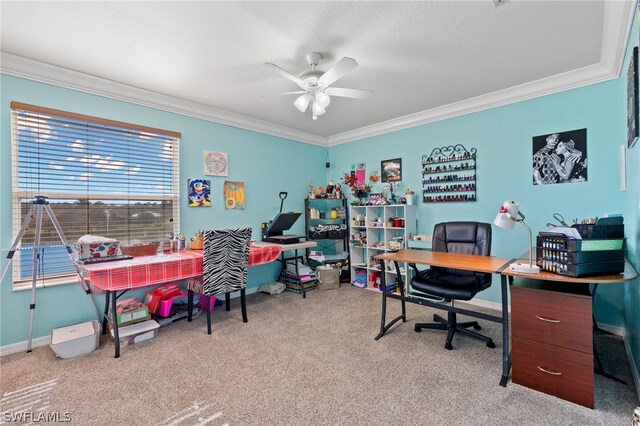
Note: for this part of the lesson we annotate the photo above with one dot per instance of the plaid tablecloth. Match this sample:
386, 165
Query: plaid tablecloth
152, 270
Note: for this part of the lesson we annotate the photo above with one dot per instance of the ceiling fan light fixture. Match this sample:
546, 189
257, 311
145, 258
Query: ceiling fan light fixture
323, 99
316, 85
317, 109
302, 102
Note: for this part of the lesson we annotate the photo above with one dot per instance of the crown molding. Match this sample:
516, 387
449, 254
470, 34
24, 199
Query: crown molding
614, 43
558, 83
614, 47
30, 69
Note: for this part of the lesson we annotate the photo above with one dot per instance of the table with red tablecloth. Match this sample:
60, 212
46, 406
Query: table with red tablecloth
144, 271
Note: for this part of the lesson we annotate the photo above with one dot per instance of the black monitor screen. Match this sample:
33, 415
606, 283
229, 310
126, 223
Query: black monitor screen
282, 222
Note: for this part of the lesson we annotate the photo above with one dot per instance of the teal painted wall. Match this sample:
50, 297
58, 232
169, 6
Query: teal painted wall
503, 138
631, 297
266, 164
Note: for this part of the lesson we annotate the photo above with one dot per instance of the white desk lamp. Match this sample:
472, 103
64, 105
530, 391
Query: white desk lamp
507, 217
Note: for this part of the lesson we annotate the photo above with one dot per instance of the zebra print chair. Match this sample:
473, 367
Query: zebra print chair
225, 263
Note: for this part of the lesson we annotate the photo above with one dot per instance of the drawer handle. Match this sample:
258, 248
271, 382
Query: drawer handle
547, 319
553, 373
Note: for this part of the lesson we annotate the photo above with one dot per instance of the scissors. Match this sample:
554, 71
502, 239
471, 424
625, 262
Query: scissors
560, 219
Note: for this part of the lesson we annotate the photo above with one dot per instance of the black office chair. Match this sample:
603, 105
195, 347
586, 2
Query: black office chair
454, 284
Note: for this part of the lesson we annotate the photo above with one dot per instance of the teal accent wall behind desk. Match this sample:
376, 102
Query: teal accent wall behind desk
503, 138
267, 165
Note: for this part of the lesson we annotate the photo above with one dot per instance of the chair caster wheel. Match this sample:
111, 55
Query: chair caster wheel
490, 344
477, 327
417, 329
448, 346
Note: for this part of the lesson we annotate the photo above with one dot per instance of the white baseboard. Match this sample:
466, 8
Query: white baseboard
613, 329
14, 348
496, 306
632, 364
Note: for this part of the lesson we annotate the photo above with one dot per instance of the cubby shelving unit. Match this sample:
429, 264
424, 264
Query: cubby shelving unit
370, 233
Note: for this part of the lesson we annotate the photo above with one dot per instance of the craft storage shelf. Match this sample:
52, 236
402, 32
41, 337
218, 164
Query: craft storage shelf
331, 234
370, 233
449, 175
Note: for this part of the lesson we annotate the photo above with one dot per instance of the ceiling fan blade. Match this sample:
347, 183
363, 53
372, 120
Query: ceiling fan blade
282, 94
284, 73
343, 66
349, 93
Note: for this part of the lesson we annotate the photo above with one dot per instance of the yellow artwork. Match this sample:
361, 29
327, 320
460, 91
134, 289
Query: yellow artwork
233, 195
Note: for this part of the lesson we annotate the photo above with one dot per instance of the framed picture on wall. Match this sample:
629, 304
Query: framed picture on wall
391, 170
632, 99
560, 157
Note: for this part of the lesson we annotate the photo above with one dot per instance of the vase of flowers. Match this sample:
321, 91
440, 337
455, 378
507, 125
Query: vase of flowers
359, 190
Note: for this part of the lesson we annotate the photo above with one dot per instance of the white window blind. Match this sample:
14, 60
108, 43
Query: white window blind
101, 177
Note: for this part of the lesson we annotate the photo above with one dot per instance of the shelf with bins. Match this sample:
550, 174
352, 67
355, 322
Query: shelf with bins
330, 233
449, 175
373, 229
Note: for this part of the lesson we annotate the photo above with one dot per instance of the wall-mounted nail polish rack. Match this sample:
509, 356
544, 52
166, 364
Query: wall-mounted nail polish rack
449, 175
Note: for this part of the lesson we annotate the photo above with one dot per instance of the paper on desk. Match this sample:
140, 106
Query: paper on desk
569, 232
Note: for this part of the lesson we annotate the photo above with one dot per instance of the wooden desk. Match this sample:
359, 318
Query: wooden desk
485, 264
553, 347
303, 245
145, 271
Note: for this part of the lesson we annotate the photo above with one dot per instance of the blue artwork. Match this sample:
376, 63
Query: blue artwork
199, 193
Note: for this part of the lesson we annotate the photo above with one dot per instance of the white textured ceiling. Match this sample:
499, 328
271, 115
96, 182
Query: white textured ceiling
424, 60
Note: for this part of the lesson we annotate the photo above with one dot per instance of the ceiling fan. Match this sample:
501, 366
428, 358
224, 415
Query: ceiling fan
315, 84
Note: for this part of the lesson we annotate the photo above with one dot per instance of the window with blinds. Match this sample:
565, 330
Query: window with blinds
101, 177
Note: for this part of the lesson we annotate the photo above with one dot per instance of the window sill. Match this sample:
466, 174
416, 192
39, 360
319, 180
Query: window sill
24, 285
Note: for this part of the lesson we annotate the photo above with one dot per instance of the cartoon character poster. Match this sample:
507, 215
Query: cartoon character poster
199, 193
233, 195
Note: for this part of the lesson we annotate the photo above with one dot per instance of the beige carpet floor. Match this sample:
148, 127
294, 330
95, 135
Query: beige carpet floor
300, 361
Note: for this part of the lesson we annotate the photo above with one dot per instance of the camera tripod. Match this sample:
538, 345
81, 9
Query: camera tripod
38, 207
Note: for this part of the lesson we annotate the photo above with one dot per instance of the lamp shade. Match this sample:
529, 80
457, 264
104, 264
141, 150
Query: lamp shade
507, 215
323, 99
317, 109
503, 220
302, 102
511, 207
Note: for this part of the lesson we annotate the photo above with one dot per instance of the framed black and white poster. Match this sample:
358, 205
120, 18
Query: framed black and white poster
560, 157
632, 99
391, 170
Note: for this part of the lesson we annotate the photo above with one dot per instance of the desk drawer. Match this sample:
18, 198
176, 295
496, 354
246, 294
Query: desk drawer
555, 318
569, 373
